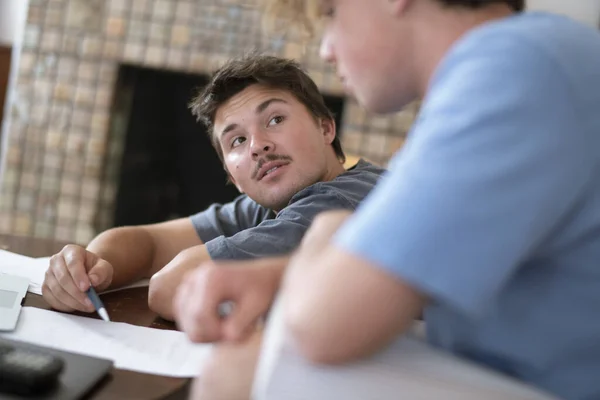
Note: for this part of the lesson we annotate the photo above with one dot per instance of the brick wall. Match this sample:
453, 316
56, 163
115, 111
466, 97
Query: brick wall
64, 145
5, 55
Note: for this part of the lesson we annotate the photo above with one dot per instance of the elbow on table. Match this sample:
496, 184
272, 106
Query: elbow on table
159, 300
317, 346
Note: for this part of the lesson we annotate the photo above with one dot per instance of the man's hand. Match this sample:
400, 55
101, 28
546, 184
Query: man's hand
69, 276
251, 287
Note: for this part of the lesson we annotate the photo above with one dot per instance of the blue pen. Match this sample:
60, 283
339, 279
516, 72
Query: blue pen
95, 299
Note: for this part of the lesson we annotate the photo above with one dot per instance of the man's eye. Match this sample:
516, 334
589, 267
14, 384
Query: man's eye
328, 12
276, 120
237, 141
327, 9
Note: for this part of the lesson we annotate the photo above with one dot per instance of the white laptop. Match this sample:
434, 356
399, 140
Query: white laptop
12, 292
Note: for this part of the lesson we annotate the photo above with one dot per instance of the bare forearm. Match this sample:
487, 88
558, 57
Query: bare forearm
341, 308
129, 250
165, 282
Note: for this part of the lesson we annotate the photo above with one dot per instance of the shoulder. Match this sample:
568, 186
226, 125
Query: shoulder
242, 209
345, 191
532, 40
360, 177
250, 213
518, 66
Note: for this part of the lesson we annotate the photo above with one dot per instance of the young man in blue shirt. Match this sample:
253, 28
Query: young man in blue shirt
489, 220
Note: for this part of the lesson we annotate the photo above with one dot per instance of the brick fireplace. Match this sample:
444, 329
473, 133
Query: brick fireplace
67, 130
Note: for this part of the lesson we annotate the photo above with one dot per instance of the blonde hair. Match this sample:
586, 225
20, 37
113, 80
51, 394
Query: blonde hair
301, 14
304, 13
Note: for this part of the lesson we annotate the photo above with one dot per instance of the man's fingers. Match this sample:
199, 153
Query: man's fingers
63, 298
199, 316
52, 301
180, 305
58, 275
244, 317
202, 326
75, 258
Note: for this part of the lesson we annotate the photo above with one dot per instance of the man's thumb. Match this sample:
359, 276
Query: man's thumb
241, 321
101, 275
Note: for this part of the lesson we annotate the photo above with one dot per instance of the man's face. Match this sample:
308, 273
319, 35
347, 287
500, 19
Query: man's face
272, 146
370, 51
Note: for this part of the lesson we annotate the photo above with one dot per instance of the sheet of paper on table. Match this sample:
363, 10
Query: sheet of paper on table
7, 257
135, 348
26, 267
34, 269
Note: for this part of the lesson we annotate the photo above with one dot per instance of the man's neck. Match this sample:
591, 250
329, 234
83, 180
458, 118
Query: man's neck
439, 29
334, 169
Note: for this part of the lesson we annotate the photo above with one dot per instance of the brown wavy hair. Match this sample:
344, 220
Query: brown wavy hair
272, 72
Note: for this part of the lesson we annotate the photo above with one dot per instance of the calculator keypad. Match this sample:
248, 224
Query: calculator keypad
28, 360
25, 371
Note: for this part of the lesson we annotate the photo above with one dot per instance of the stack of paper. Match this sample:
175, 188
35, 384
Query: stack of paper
130, 347
153, 351
33, 269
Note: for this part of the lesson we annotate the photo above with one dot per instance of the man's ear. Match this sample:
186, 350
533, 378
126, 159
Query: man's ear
328, 128
398, 7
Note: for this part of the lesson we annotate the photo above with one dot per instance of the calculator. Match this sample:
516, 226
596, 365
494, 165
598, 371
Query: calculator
28, 372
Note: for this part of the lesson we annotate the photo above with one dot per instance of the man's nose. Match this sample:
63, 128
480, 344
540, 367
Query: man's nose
261, 144
326, 50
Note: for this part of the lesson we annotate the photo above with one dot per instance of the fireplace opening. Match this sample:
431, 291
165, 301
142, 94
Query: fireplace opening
169, 168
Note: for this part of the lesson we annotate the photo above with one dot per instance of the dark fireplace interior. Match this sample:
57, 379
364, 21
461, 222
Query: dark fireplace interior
169, 168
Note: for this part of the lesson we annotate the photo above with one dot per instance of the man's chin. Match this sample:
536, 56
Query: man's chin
385, 102
277, 201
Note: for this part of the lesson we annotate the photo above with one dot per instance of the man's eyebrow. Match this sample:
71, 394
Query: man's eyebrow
263, 106
259, 109
321, 5
227, 129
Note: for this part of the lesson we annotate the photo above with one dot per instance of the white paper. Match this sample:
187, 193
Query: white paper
6, 257
34, 269
135, 348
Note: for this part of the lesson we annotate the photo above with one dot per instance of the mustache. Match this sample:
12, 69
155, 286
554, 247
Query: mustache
268, 158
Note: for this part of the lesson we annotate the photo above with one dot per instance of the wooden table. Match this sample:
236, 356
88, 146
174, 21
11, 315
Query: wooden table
129, 306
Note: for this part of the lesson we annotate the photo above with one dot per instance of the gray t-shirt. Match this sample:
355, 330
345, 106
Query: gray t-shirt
243, 229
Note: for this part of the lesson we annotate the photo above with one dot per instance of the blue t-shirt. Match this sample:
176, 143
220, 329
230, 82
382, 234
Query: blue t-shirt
492, 208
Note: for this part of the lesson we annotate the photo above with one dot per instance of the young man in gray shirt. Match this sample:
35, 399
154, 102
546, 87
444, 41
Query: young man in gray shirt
278, 143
